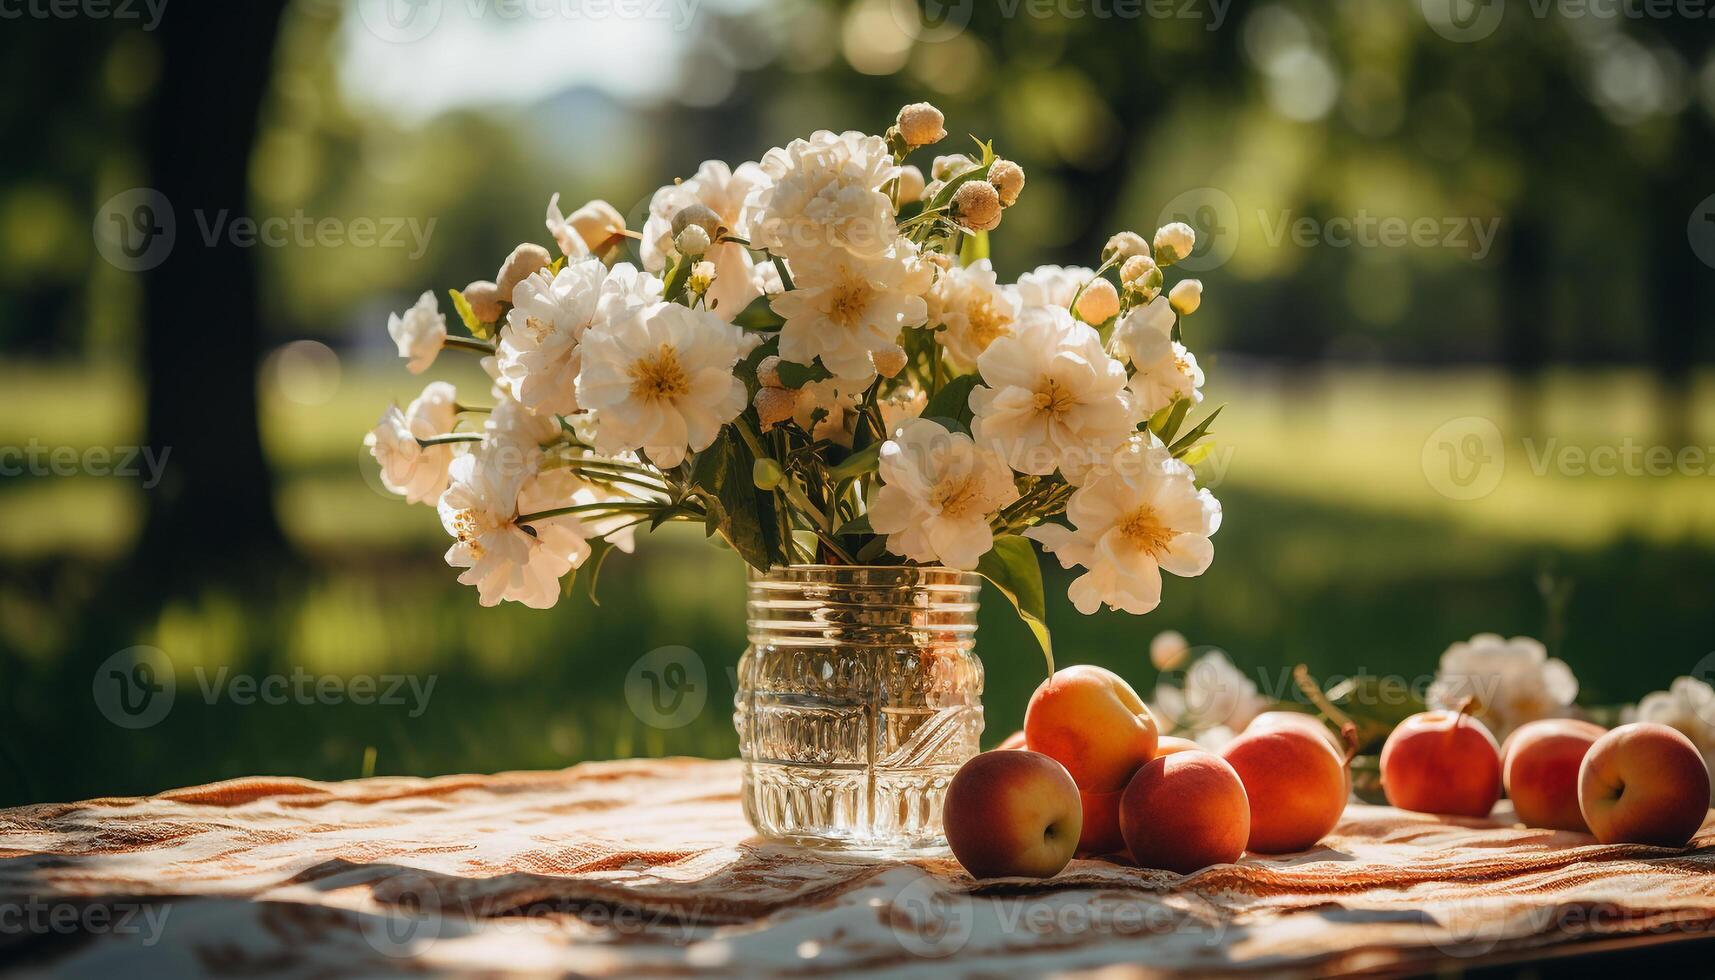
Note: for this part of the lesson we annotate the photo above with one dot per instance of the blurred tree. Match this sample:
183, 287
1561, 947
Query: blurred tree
202, 321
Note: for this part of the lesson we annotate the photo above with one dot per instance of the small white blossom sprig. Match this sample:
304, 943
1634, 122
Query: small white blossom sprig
812, 356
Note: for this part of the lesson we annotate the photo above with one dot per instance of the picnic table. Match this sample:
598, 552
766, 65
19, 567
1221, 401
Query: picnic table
647, 867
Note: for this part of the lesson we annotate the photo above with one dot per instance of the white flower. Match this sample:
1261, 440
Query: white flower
1129, 521
1511, 682
1051, 397
1168, 650
1215, 694
828, 409
1687, 705
1174, 241
661, 379
504, 561
540, 352
846, 308
511, 423
938, 492
824, 192
973, 309
723, 191
1052, 285
420, 333
900, 407
1166, 371
572, 244
417, 472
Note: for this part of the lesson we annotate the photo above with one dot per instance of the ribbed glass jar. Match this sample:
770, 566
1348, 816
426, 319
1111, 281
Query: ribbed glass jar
858, 699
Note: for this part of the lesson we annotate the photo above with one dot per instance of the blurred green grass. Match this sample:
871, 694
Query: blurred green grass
1336, 551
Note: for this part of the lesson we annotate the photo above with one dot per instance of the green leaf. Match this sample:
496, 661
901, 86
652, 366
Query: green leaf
1196, 454
857, 525
1013, 569
677, 277
1175, 418
748, 519
1188, 439
590, 571
477, 328
865, 460
759, 316
953, 401
794, 375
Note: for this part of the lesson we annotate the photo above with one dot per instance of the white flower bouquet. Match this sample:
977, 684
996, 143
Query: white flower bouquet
817, 362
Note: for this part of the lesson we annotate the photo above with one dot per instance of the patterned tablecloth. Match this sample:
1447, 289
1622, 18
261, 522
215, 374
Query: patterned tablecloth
648, 868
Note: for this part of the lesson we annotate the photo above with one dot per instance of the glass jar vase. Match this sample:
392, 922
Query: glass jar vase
859, 697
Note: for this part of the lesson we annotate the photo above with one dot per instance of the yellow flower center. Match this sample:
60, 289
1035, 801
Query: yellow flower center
849, 301
1144, 530
468, 528
987, 323
660, 376
957, 496
1053, 398
537, 328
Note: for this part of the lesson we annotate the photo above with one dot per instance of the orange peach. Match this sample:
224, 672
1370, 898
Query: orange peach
1539, 767
1295, 783
1185, 811
1094, 724
1101, 833
1012, 813
1169, 744
1442, 762
1644, 784
1271, 720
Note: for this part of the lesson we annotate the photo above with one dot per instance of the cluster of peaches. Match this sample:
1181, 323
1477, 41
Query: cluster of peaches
1091, 775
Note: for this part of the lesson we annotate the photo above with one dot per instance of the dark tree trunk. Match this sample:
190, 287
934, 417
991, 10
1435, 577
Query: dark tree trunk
213, 511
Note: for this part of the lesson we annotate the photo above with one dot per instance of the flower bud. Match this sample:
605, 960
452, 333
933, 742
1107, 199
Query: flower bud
1099, 303
889, 363
922, 124
693, 241
775, 405
1123, 246
1007, 178
976, 205
484, 299
1173, 242
1168, 650
700, 215
910, 184
524, 260
766, 474
701, 278
596, 222
950, 165
768, 372
1185, 296
1135, 270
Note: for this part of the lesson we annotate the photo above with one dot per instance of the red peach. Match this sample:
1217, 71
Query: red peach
1271, 720
1539, 767
1185, 811
1442, 762
1644, 784
1101, 824
1295, 783
1094, 724
1012, 813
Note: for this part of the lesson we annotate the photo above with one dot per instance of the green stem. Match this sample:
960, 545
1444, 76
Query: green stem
450, 437
617, 507
474, 409
470, 343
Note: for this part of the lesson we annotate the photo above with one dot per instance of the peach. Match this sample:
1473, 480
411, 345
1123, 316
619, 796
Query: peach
1442, 762
1295, 783
1185, 811
1169, 744
1271, 720
1539, 767
1643, 784
1092, 722
1013, 741
1012, 812
1101, 833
